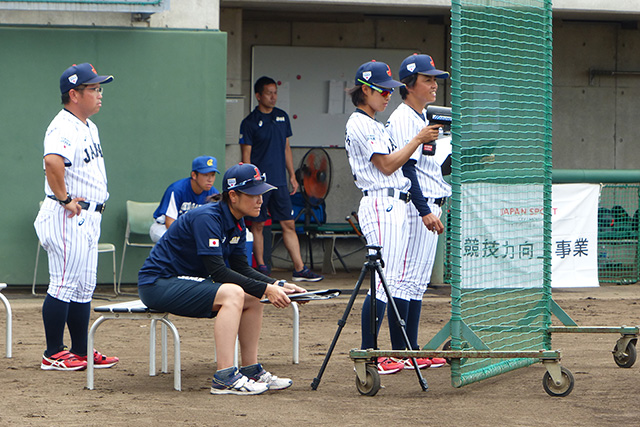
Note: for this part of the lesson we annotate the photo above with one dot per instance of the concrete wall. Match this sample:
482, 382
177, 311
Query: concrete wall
201, 14
594, 118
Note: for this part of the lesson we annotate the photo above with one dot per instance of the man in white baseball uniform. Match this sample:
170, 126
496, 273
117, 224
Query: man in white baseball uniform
429, 192
68, 224
375, 163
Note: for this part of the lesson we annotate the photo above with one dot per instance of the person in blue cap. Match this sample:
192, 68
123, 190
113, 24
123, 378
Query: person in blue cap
429, 192
185, 194
199, 269
375, 163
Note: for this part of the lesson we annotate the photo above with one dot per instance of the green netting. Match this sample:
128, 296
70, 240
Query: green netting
501, 179
618, 233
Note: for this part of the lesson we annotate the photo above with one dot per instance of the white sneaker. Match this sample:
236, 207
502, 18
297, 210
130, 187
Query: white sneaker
273, 382
238, 384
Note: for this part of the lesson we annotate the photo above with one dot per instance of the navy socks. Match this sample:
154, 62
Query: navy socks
55, 315
365, 321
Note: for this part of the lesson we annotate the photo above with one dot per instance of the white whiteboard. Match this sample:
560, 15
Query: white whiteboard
311, 83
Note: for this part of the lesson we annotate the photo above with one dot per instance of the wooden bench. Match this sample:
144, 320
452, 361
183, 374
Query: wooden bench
136, 310
9, 328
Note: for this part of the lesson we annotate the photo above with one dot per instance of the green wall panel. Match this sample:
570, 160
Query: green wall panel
165, 106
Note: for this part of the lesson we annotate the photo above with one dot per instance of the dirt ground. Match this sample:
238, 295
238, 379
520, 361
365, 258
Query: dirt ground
604, 394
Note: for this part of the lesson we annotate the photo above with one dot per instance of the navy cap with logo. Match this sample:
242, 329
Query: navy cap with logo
245, 178
420, 64
377, 74
81, 74
205, 164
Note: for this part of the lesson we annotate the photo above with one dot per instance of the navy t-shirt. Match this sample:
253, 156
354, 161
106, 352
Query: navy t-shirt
210, 229
267, 134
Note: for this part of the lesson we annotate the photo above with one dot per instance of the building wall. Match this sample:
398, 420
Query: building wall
193, 14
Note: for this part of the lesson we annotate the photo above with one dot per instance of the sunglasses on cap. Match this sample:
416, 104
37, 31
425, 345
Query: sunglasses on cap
239, 185
383, 92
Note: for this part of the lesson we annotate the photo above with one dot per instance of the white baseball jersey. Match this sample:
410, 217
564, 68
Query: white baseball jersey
79, 145
72, 243
404, 124
365, 137
383, 219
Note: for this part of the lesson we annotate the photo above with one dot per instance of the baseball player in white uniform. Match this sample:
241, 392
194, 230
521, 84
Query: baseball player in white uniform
68, 224
375, 164
429, 191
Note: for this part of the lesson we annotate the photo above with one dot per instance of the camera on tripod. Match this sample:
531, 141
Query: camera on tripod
437, 116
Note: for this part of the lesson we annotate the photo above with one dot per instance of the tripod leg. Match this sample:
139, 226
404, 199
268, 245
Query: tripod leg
341, 323
401, 324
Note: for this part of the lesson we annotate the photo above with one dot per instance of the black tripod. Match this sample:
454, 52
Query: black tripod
373, 265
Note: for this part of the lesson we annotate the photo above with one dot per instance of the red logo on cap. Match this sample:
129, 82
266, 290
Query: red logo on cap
432, 63
257, 175
388, 71
93, 69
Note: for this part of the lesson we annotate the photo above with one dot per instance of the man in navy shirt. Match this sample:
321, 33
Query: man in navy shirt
264, 141
185, 194
199, 268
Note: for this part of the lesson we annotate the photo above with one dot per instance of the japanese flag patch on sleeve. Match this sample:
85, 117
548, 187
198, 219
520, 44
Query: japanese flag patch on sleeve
214, 243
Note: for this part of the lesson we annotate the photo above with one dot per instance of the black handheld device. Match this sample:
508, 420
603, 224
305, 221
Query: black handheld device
437, 116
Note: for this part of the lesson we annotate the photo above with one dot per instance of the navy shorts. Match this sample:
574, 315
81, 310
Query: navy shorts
278, 203
184, 296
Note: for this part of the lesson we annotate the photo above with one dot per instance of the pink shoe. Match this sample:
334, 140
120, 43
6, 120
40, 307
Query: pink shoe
423, 363
388, 365
63, 361
100, 361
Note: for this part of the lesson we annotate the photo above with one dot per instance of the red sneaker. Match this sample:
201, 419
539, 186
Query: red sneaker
388, 365
436, 362
100, 361
63, 361
422, 362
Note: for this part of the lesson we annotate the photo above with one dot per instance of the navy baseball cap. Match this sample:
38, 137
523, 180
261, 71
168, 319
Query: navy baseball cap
246, 178
420, 64
81, 74
377, 74
205, 164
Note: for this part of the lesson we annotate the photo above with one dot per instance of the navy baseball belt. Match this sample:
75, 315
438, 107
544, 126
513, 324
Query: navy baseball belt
389, 192
85, 205
438, 202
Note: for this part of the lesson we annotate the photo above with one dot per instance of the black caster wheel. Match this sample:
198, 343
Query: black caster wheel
558, 390
447, 347
372, 383
626, 359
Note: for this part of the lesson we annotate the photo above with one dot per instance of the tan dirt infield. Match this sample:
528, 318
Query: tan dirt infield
604, 394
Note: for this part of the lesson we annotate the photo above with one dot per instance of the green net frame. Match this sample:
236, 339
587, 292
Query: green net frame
618, 234
500, 227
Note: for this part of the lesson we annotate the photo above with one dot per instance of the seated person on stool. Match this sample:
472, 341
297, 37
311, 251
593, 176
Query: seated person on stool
185, 194
186, 274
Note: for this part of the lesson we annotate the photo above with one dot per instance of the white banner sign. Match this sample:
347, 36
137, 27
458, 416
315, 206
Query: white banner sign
574, 237
502, 235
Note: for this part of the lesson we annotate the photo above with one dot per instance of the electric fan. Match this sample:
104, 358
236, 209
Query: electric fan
314, 178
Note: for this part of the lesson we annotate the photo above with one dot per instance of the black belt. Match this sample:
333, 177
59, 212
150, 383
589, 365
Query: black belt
99, 207
389, 192
438, 202
85, 205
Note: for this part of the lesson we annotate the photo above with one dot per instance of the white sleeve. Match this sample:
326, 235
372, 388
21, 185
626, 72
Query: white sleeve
172, 208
